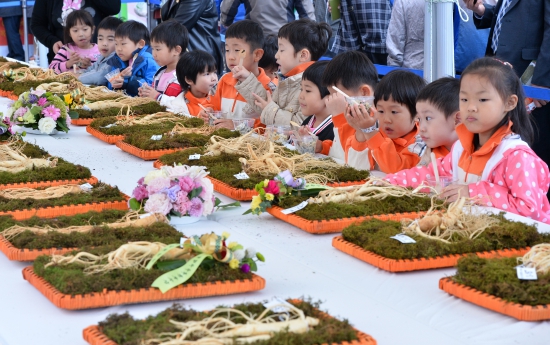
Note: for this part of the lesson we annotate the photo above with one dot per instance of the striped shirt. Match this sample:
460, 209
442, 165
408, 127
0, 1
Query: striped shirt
59, 61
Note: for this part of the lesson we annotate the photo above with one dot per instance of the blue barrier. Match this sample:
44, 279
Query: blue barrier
15, 3
152, 2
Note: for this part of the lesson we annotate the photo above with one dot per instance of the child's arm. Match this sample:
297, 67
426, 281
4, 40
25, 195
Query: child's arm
250, 86
132, 83
95, 74
387, 157
415, 176
273, 114
63, 60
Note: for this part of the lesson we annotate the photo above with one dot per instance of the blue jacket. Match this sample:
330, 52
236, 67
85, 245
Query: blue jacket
143, 70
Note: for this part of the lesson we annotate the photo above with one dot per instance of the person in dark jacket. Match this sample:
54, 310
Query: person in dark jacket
47, 25
200, 17
11, 16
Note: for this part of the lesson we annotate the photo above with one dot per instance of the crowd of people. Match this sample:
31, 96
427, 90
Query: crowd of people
480, 127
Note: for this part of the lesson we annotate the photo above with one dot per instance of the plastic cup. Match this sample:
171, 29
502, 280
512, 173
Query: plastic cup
278, 134
243, 125
305, 144
444, 181
367, 101
216, 115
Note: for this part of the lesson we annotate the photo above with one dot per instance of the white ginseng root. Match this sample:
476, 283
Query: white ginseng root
538, 258
12, 159
41, 194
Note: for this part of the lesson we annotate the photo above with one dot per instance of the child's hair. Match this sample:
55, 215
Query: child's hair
351, 69
442, 94
402, 86
247, 30
74, 18
268, 60
314, 74
171, 33
193, 63
308, 34
506, 82
109, 23
134, 31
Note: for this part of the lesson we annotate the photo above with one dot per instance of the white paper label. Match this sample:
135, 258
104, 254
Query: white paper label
194, 157
296, 208
145, 215
241, 176
282, 306
182, 240
526, 273
109, 126
86, 186
403, 238
156, 137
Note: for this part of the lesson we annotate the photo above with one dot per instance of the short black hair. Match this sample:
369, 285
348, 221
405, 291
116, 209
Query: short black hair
247, 30
191, 64
134, 31
443, 94
314, 74
308, 34
402, 86
109, 23
268, 60
74, 18
172, 33
351, 69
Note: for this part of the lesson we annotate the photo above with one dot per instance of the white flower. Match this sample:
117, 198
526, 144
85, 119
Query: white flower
250, 253
238, 254
193, 172
153, 175
46, 125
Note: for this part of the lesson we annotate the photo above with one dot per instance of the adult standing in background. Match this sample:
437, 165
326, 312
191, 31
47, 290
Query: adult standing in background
200, 17
405, 40
11, 16
48, 19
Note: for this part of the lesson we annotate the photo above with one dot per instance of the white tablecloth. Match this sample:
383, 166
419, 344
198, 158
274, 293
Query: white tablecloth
404, 308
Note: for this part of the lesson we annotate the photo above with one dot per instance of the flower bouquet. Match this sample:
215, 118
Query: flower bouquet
6, 127
40, 110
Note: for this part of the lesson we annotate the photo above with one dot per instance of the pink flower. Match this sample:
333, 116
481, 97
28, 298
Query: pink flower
158, 203
272, 187
51, 111
196, 207
42, 101
20, 112
140, 181
140, 193
182, 203
186, 184
158, 184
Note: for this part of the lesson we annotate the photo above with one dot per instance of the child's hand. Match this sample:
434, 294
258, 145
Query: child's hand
359, 117
203, 115
126, 72
336, 103
260, 102
318, 146
73, 59
454, 191
304, 130
117, 83
240, 73
85, 62
148, 91
224, 123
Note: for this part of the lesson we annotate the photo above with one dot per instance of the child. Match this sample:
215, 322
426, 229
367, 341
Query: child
78, 51
437, 116
243, 42
95, 74
312, 96
491, 161
196, 72
301, 43
268, 61
353, 73
386, 143
169, 42
133, 58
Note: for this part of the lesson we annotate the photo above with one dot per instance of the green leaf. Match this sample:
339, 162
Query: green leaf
134, 204
207, 264
175, 213
260, 257
247, 211
234, 204
36, 110
217, 202
169, 265
253, 266
195, 192
73, 114
237, 247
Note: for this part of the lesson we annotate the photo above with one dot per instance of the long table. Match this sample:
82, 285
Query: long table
404, 308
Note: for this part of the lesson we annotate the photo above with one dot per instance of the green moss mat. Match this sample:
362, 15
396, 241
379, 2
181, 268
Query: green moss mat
160, 128
144, 109
331, 210
224, 166
498, 277
125, 330
100, 192
374, 235
62, 171
23, 86
143, 140
71, 279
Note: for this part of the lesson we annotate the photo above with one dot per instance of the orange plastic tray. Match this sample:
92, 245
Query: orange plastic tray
16, 254
68, 210
147, 155
81, 122
9, 94
110, 297
94, 336
40, 184
109, 139
482, 299
334, 225
406, 265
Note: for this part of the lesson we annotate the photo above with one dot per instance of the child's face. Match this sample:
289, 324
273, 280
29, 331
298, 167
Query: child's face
164, 55
204, 83
81, 34
311, 102
481, 107
233, 49
286, 57
433, 127
394, 119
125, 47
106, 41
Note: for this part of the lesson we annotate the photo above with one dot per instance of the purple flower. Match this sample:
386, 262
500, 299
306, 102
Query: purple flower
140, 181
245, 268
33, 98
20, 112
51, 111
186, 184
196, 207
140, 193
172, 192
42, 101
285, 177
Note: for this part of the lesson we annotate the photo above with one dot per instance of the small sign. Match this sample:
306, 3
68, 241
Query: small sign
109, 126
282, 306
182, 241
86, 186
145, 215
403, 238
156, 137
241, 176
526, 273
296, 208
194, 157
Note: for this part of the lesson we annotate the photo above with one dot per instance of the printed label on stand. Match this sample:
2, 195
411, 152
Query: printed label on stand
241, 176
296, 208
109, 126
86, 186
156, 137
145, 215
526, 273
282, 306
194, 157
403, 238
